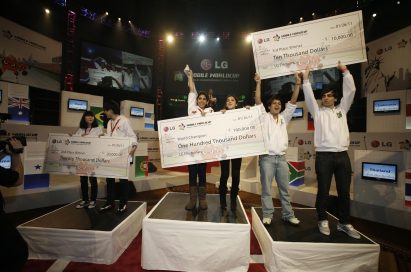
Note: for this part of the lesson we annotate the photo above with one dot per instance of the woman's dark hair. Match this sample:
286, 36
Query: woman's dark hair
203, 93
233, 96
111, 105
271, 99
83, 123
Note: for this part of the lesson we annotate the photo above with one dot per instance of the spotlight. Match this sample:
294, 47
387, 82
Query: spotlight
47, 11
106, 12
374, 15
398, 2
129, 21
313, 14
201, 38
248, 38
170, 38
119, 19
290, 22
301, 19
218, 39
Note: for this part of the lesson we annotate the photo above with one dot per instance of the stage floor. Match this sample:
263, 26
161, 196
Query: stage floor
210, 240
172, 208
68, 217
303, 248
307, 230
83, 235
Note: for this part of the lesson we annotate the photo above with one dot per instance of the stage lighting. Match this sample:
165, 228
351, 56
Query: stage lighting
119, 19
106, 12
398, 2
374, 15
290, 22
129, 21
170, 38
248, 38
47, 11
301, 19
201, 38
218, 39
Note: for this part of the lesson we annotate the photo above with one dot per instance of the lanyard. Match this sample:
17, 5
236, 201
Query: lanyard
115, 126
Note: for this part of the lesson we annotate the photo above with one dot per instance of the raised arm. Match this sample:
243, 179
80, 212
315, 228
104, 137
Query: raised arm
191, 84
308, 93
257, 89
297, 87
348, 88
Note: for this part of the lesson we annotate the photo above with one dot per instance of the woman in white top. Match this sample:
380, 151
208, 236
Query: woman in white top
197, 103
88, 128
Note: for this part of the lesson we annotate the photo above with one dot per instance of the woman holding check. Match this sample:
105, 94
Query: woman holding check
197, 106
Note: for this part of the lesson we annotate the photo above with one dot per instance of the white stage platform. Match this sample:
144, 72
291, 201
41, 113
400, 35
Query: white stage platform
304, 248
83, 235
180, 240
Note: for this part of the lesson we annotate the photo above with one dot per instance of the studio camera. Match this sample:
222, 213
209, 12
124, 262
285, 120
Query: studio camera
5, 137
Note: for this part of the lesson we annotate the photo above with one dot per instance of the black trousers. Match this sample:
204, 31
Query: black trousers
111, 189
195, 170
84, 188
338, 164
235, 175
13, 248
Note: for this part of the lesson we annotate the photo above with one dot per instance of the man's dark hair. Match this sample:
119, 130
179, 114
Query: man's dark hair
334, 93
271, 99
83, 123
112, 105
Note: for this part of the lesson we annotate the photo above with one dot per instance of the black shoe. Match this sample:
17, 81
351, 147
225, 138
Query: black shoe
106, 207
122, 208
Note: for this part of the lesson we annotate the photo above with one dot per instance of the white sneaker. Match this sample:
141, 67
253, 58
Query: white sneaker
349, 230
323, 227
266, 221
292, 220
92, 205
82, 204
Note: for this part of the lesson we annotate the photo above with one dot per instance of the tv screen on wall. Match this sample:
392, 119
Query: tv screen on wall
388, 105
298, 113
111, 68
77, 104
136, 112
379, 172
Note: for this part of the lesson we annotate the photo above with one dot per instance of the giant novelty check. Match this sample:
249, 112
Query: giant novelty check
318, 44
88, 156
214, 137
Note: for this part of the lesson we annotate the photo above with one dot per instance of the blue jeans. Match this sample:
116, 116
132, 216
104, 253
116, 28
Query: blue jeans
275, 166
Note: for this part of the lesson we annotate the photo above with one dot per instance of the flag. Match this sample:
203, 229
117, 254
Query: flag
296, 169
34, 174
407, 191
19, 109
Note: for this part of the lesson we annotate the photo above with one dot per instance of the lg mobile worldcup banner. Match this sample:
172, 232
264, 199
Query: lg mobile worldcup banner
88, 156
319, 44
214, 137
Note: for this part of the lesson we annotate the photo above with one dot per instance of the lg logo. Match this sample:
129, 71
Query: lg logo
207, 64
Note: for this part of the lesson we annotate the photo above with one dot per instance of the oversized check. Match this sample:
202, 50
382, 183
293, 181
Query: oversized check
88, 156
216, 136
319, 44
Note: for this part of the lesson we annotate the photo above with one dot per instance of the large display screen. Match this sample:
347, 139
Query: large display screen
388, 105
111, 68
77, 104
379, 172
